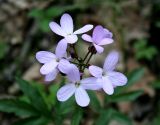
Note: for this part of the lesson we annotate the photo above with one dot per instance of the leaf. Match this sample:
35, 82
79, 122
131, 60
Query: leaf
104, 117
20, 108
133, 78
43, 17
34, 95
156, 120
37, 13
129, 96
95, 104
67, 106
118, 116
156, 84
77, 116
52, 97
3, 49
32, 121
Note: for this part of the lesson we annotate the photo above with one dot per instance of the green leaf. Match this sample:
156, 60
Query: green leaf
156, 84
32, 121
143, 51
118, 116
20, 108
67, 106
156, 120
52, 97
37, 13
43, 17
3, 49
133, 78
77, 116
129, 96
95, 104
34, 95
104, 117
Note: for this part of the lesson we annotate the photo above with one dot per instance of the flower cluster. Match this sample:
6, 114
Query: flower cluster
67, 61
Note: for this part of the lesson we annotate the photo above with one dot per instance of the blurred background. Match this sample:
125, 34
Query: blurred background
135, 25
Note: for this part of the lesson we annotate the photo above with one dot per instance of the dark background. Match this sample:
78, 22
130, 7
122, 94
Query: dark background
135, 25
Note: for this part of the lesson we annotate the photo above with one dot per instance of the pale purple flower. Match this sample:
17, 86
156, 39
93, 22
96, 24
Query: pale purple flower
77, 87
52, 63
100, 36
108, 77
65, 29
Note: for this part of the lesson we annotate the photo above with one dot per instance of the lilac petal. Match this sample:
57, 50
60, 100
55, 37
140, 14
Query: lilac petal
108, 34
98, 48
84, 29
61, 48
71, 38
95, 71
51, 76
90, 83
111, 61
87, 38
45, 56
117, 78
48, 67
65, 92
98, 34
57, 29
73, 74
67, 23
82, 97
64, 66
106, 41
107, 86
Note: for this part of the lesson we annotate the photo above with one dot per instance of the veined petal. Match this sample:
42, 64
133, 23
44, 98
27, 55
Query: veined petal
67, 23
84, 29
65, 92
106, 41
45, 56
82, 97
117, 78
91, 83
98, 48
111, 61
51, 76
64, 66
107, 86
95, 71
57, 29
61, 48
98, 34
73, 74
87, 38
108, 34
48, 67
71, 38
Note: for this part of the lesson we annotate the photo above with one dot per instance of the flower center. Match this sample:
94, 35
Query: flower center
77, 84
57, 60
104, 73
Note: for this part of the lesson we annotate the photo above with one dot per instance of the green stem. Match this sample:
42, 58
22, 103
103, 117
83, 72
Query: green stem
88, 60
86, 56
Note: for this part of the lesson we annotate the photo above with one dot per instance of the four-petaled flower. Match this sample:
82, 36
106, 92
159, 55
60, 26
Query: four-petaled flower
108, 77
65, 29
77, 87
100, 36
53, 63
105, 78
